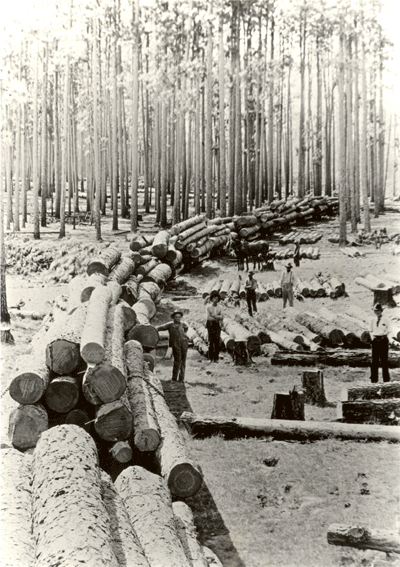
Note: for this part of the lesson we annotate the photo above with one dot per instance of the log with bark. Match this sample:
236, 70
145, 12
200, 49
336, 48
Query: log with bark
159, 275
123, 270
140, 241
63, 342
352, 331
146, 429
187, 533
160, 244
70, 522
121, 452
177, 468
31, 378
18, 547
288, 405
360, 537
199, 344
75, 288
284, 342
149, 289
359, 358
384, 411
185, 225
321, 327
192, 234
104, 262
149, 507
212, 559
94, 330
130, 318
371, 392
130, 290
241, 335
93, 281
26, 424
231, 427
144, 332
62, 393
106, 381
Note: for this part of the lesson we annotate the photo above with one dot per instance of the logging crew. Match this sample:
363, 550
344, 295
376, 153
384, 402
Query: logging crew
296, 255
287, 282
379, 328
251, 286
214, 320
179, 343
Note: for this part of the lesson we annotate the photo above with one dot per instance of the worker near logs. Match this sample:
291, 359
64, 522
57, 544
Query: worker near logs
287, 282
251, 286
179, 342
379, 328
296, 255
214, 321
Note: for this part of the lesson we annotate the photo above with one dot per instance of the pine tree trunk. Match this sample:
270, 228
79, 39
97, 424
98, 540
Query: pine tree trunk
135, 119
96, 127
35, 175
208, 138
44, 157
342, 146
222, 157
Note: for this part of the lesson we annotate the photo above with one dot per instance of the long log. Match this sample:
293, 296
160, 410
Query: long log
384, 411
160, 244
63, 343
208, 288
146, 429
204, 249
130, 290
138, 242
177, 468
145, 268
160, 274
284, 342
246, 221
144, 332
104, 262
289, 321
26, 424
62, 393
359, 358
123, 270
185, 225
239, 334
231, 427
75, 288
18, 547
106, 382
149, 289
124, 540
371, 392
320, 327
66, 494
364, 538
187, 533
149, 507
94, 330
192, 235
93, 281
212, 559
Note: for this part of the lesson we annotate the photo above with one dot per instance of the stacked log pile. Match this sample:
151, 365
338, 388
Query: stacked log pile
296, 237
310, 253
60, 508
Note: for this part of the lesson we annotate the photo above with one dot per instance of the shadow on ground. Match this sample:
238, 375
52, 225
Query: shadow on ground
209, 523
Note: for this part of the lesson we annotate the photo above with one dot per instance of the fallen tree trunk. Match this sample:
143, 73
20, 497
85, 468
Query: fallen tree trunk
139, 242
94, 330
212, 559
386, 411
62, 394
149, 507
364, 538
129, 315
371, 392
185, 225
106, 382
63, 345
57, 494
186, 530
160, 275
283, 342
123, 270
26, 424
205, 426
18, 546
357, 358
177, 468
146, 430
160, 244
353, 333
104, 262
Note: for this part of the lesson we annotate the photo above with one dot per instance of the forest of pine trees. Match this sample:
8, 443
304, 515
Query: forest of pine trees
198, 105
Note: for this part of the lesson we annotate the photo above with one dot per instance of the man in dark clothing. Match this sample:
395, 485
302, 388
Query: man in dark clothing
214, 320
251, 286
379, 329
179, 343
297, 255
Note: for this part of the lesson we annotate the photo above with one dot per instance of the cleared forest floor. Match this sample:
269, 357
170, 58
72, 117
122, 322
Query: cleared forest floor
251, 514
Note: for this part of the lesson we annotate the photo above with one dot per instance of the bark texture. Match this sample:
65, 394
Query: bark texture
94, 331
26, 424
149, 506
187, 534
104, 263
70, 521
17, 542
364, 538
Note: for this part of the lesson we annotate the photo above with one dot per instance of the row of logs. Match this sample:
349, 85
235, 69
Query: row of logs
300, 237
59, 507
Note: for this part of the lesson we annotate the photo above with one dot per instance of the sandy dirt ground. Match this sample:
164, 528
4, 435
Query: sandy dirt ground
249, 513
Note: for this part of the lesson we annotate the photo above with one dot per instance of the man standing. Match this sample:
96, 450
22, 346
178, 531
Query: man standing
379, 328
297, 255
214, 320
179, 343
287, 282
251, 286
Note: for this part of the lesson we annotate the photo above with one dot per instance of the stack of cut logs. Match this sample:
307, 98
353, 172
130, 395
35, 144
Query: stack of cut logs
297, 237
309, 252
281, 214
59, 508
372, 403
93, 367
384, 286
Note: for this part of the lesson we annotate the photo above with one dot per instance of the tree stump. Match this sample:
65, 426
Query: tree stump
288, 405
384, 297
121, 451
241, 354
313, 387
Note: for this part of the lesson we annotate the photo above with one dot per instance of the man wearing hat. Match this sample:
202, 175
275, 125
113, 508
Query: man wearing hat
179, 343
214, 320
251, 286
379, 328
287, 282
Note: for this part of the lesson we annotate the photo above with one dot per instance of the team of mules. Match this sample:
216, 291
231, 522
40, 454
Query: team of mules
255, 252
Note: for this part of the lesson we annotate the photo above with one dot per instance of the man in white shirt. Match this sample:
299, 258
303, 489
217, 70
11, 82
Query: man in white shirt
287, 282
251, 286
379, 329
214, 320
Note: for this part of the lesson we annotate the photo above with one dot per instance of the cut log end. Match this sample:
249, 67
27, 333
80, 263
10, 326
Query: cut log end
62, 356
92, 353
147, 440
78, 417
121, 452
62, 394
26, 425
27, 388
114, 422
97, 267
146, 335
184, 480
103, 383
